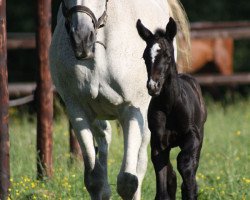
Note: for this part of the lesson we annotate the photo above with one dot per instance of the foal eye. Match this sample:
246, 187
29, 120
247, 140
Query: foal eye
168, 59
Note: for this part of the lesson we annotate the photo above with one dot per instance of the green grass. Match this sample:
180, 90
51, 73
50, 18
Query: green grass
223, 173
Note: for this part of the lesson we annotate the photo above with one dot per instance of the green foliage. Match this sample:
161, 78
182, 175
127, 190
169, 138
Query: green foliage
221, 10
223, 173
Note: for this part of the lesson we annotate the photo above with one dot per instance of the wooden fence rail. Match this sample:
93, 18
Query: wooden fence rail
236, 30
22, 89
21, 40
219, 80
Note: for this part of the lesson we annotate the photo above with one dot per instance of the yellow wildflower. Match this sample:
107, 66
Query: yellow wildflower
237, 133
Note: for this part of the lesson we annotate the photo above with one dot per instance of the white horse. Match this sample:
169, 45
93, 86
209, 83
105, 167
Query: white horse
97, 68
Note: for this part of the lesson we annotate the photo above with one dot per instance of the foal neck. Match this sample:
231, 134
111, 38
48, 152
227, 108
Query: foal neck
171, 89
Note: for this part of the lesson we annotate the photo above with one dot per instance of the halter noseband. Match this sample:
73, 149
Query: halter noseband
79, 8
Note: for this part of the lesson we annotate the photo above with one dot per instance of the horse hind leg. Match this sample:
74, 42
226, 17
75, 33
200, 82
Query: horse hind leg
102, 133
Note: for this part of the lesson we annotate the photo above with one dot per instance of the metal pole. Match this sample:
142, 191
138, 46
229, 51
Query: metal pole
44, 92
4, 104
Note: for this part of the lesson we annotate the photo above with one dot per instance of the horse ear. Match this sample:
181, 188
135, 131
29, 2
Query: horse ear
171, 29
145, 34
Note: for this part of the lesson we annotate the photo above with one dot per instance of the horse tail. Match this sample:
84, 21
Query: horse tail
183, 38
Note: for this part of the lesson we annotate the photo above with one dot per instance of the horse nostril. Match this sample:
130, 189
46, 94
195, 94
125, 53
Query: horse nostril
91, 36
158, 85
73, 30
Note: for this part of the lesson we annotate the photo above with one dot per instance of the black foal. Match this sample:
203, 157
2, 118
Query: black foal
176, 114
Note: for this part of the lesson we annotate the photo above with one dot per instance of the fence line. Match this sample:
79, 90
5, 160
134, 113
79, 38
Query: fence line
236, 30
17, 89
219, 80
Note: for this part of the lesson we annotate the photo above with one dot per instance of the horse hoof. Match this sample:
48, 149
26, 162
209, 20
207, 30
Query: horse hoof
106, 194
127, 185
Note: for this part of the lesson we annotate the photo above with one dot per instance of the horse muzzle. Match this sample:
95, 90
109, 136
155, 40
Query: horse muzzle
83, 42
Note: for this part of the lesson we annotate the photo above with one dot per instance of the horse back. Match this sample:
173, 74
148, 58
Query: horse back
192, 86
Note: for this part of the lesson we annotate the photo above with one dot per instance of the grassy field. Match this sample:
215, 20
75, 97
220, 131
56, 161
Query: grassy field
224, 170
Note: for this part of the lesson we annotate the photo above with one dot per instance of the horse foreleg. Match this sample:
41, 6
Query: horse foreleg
94, 176
132, 124
142, 159
102, 132
223, 55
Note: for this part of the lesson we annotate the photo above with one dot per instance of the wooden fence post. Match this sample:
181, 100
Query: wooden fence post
4, 105
44, 91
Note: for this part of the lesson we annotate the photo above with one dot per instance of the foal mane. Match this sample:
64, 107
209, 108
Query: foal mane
159, 33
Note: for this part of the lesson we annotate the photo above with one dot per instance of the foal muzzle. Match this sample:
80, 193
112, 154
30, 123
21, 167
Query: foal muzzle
154, 88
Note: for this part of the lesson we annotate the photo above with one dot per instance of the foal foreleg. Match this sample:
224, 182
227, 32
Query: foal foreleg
187, 164
165, 177
172, 181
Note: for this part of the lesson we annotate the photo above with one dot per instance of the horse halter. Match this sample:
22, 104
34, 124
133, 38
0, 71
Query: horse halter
79, 8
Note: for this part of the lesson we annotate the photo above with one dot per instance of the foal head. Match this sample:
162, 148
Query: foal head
158, 55
82, 19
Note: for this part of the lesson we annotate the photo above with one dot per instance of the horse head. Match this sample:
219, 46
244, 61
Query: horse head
158, 54
82, 19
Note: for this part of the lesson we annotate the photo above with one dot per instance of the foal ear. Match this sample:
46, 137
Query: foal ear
145, 34
171, 29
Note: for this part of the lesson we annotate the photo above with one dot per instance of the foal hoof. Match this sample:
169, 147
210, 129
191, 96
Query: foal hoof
127, 185
106, 194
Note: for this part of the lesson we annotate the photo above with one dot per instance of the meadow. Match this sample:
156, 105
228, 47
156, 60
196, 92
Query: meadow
223, 174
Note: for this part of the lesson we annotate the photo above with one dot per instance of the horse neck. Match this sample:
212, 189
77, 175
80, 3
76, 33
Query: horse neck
171, 89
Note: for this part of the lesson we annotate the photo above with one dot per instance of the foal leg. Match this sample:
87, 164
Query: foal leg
165, 176
132, 123
171, 181
187, 164
94, 176
102, 132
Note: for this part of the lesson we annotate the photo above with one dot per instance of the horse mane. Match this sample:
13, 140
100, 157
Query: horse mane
183, 38
159, 33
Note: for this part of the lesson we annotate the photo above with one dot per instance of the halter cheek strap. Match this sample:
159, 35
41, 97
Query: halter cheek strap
78, 8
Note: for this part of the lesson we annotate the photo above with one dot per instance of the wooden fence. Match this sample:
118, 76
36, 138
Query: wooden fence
44, 92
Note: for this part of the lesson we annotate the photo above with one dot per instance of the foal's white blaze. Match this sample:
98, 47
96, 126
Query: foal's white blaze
154, 51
